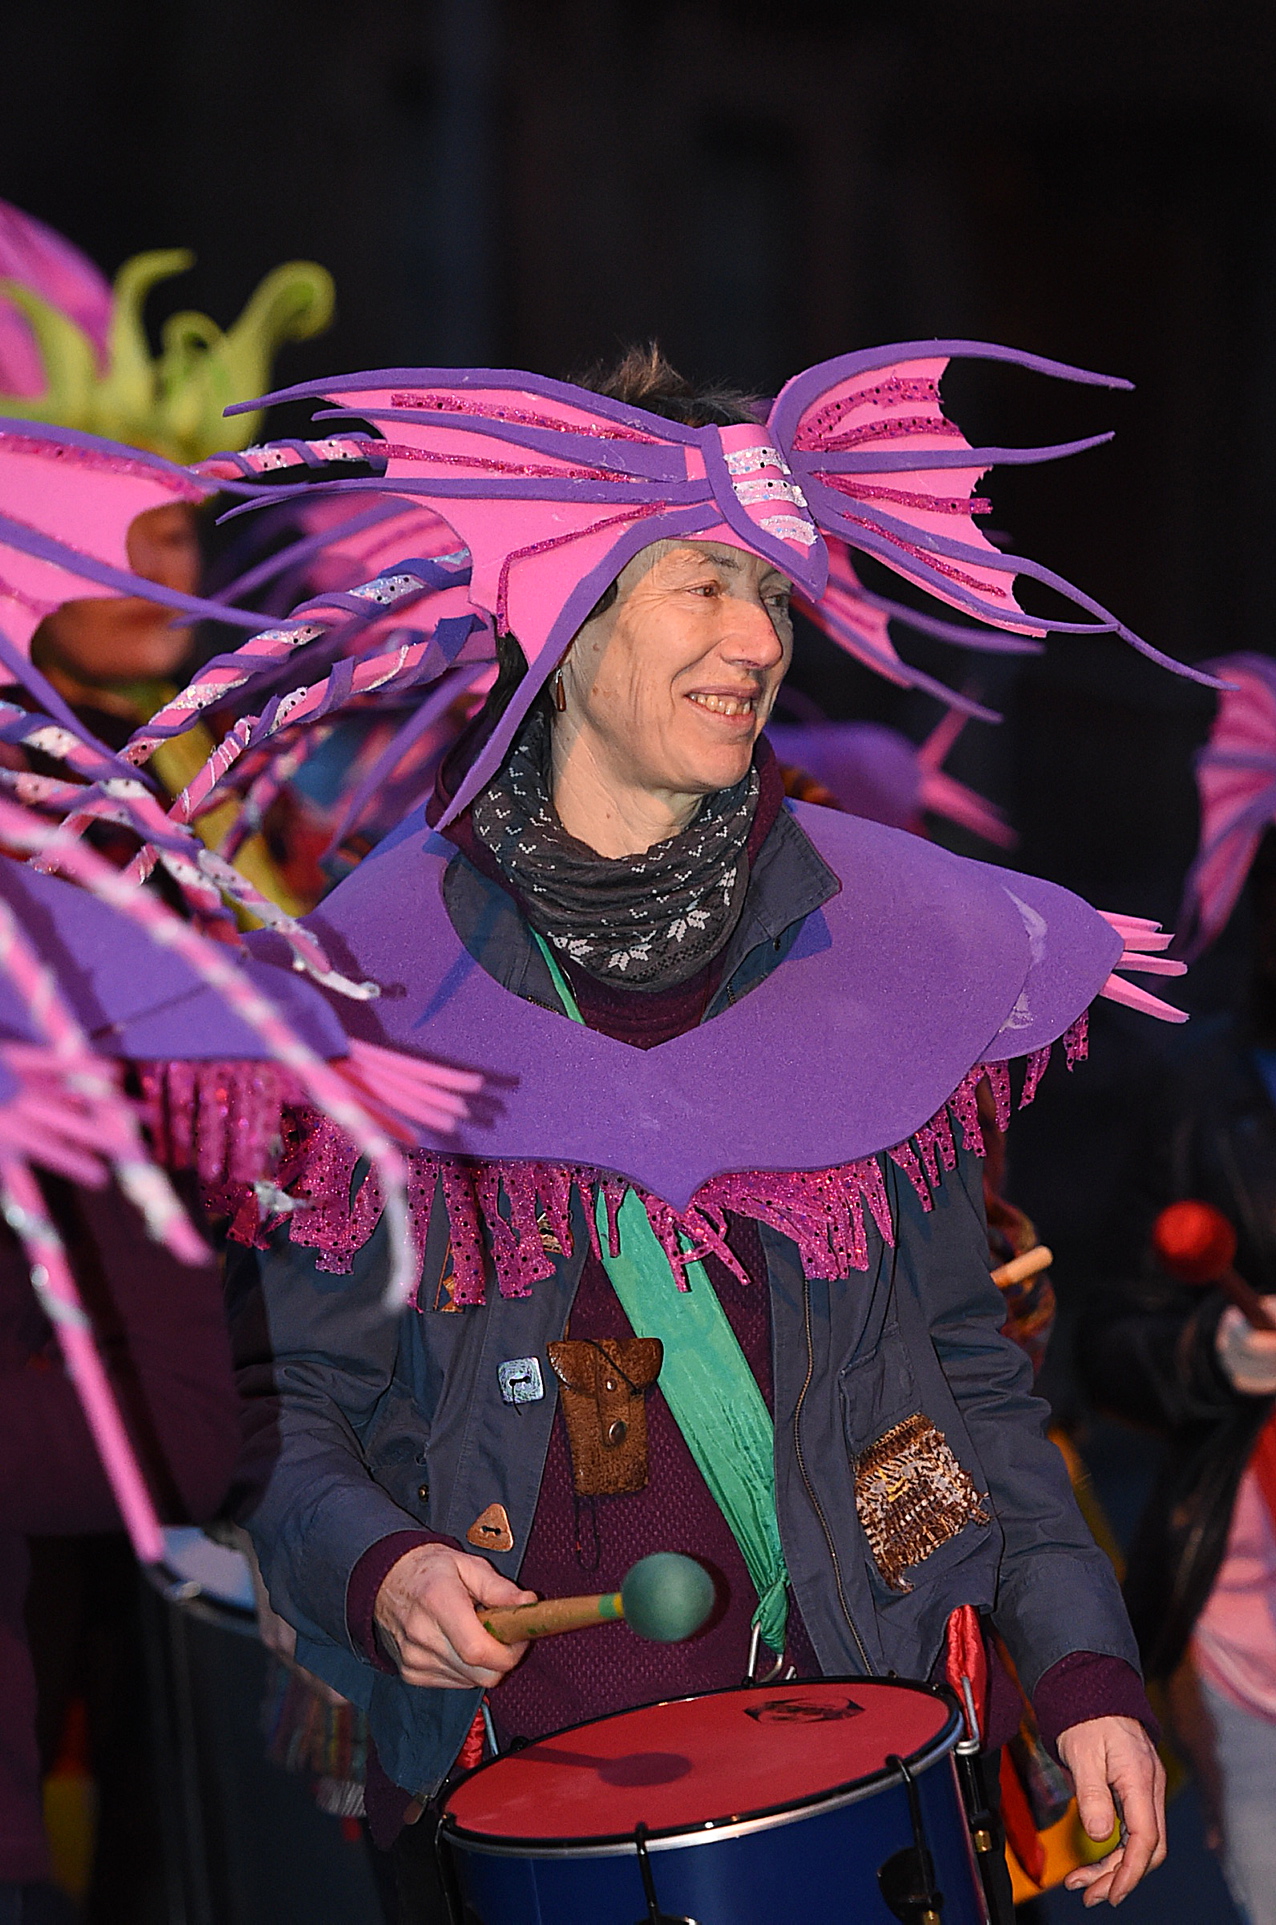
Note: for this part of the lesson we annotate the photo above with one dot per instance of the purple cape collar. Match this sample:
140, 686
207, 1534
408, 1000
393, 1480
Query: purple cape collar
924, 965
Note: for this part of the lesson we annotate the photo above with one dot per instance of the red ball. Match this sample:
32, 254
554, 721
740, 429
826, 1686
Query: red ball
1194, 1241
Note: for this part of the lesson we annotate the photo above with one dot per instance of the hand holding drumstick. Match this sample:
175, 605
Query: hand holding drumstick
449, 1619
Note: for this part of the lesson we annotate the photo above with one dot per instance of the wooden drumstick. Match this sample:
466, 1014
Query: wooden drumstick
664, 1597
1026, 1265
1197, 1244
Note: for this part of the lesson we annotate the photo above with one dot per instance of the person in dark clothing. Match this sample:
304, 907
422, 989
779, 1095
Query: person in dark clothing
1183, 1361
1180, 1360
162, 1332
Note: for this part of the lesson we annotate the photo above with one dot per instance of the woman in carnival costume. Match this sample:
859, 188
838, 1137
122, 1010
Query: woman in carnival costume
736, 1043
108, 996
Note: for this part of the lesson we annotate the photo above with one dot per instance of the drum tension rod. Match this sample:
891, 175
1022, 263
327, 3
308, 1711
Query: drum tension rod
986, 1835
907, 1879
654, 1914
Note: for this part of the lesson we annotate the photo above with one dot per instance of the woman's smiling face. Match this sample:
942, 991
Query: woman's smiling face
669, 688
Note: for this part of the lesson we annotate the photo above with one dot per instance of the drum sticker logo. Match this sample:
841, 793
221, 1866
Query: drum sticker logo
912, 1495
802, 1711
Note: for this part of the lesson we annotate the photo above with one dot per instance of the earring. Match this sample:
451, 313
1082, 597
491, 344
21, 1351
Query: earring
560, 693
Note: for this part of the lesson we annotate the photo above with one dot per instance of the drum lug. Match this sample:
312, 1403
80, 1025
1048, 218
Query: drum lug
907, 1879
986, 1835
654, 1914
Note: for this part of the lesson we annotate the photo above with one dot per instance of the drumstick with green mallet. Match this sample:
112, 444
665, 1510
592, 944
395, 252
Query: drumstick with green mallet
664, 1597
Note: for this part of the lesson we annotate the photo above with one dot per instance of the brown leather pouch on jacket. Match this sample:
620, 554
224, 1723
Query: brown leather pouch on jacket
604, 1386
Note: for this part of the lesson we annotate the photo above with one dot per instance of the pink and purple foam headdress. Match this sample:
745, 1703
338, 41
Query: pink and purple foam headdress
67, 501
553, 489
1236, 781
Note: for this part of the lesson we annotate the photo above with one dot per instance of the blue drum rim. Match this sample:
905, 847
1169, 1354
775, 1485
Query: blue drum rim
714, 1830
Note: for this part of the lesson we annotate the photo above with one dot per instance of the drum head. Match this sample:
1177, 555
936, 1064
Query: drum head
700, 1762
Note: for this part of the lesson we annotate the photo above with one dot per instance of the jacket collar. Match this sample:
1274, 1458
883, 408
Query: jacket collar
787, 881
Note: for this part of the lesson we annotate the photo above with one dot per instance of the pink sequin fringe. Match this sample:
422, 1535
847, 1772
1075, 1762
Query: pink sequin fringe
513, 1218
222, 1119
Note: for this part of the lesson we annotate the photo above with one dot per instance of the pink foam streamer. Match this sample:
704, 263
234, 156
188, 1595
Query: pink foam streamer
77, 1115
270, 457
1140, 939
40, 791
266, 787
944, 795
393, 1086
1117, 990
194, 796
45, 1131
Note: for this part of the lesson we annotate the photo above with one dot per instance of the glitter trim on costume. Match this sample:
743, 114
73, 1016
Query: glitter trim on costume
509, 1219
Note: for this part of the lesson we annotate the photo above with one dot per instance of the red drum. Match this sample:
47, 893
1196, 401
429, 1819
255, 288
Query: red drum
838, 1796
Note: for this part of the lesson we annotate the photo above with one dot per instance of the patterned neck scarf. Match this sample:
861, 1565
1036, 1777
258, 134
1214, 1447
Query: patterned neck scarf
648, 921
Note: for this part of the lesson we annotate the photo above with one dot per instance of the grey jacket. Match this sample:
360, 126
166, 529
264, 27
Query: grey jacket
360, 1425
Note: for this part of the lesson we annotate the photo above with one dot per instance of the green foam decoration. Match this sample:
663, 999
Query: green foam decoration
667, 1597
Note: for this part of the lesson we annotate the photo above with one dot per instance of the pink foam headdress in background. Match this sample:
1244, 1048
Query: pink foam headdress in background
553, 489
67, 501
1236, 781
38, 258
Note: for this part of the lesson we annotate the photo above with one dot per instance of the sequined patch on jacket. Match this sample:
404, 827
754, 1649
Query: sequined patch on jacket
912, 1495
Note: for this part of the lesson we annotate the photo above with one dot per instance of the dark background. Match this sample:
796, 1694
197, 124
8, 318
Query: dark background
536, 183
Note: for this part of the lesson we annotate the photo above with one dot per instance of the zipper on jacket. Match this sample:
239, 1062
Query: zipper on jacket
810, 1488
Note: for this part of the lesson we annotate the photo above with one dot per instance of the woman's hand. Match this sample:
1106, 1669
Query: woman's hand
426, 1621
1116, 1772
1248, 1356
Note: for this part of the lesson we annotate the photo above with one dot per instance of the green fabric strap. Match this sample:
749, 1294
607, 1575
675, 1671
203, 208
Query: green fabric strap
706, 1381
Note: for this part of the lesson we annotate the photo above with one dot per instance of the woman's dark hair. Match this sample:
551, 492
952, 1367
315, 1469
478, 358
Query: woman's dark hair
642, 378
